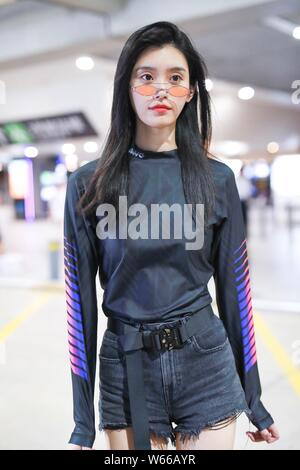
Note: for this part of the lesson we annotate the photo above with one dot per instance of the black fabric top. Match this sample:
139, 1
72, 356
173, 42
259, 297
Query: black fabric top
155, 279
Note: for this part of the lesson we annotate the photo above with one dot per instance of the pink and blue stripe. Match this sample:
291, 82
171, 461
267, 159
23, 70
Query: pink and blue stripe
243, 289
77, 352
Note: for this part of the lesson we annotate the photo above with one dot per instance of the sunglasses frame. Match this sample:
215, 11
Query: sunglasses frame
134, 88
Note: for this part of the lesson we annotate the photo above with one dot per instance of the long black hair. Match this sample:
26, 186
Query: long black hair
110, 179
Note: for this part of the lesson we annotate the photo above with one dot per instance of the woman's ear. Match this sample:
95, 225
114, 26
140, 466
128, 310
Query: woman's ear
191, 94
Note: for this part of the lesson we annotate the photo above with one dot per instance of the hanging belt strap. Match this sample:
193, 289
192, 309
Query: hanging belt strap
133, 340
132, 343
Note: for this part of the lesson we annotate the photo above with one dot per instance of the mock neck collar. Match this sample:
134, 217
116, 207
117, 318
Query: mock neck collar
137, 153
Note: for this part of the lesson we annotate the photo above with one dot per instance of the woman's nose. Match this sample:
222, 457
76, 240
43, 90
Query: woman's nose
161, 91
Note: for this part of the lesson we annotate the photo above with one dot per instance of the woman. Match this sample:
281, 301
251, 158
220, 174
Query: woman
165, 356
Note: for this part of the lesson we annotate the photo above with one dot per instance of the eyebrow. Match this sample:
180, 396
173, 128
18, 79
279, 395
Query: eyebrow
146, 67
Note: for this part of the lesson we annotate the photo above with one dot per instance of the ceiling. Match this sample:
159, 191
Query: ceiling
238, 44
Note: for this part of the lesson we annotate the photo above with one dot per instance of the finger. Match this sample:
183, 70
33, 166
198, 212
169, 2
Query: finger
255, 437
274, 432
269, 438
252, 436
272, 439
273, 436
264, 435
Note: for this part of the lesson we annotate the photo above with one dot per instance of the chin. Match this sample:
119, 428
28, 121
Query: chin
160, 121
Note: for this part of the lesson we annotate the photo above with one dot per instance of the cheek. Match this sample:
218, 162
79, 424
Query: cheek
132, 101
139, 103
179, 106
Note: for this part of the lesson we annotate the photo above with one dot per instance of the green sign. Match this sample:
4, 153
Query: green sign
46, 129
17, 133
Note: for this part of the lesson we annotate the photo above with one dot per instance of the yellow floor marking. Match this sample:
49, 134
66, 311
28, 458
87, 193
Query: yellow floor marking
282, 358
8, 329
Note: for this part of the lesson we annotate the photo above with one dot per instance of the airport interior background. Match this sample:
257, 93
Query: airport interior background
57, 65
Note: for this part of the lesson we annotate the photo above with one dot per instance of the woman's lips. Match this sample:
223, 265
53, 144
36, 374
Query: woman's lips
160, 109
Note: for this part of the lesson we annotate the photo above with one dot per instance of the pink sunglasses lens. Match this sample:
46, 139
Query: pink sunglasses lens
149, 90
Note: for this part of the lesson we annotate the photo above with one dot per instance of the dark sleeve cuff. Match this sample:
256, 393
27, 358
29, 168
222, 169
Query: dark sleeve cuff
260, 417
84, 440
262, 423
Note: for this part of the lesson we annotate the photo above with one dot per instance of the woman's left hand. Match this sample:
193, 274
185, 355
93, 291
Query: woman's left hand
269, 434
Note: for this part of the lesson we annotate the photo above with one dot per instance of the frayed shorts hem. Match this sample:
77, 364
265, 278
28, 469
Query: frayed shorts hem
167, 435
183, 432
211, 425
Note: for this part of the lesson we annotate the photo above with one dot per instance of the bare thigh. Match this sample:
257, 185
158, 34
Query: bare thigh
122, 439
210, 439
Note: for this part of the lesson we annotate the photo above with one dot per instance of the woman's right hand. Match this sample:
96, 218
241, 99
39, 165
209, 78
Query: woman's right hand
77, 447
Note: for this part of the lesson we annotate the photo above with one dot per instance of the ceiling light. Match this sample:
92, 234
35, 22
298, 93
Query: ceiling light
68, 148
85, 63
90, 147
296, 32
273, 147
246, 93
31, 152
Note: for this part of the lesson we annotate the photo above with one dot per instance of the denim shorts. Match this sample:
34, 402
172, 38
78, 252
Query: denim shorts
193, 387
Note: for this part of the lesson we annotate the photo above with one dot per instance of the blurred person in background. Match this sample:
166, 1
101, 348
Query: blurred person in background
56, 203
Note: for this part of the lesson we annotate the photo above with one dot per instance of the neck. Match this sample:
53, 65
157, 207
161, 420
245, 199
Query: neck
155, 139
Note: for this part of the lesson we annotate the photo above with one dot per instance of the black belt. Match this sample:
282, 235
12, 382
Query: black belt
132, 340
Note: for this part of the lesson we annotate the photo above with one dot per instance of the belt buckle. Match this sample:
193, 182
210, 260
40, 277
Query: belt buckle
168, 338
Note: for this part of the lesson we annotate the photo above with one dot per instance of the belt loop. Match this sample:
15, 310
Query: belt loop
183, 332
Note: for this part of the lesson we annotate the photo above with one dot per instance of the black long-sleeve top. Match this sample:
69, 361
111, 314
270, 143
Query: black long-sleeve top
146, 279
